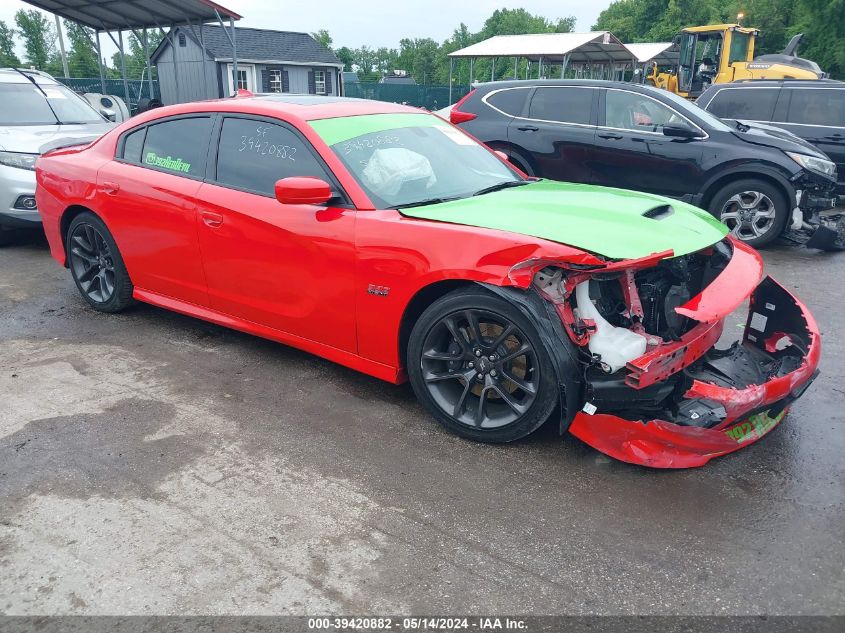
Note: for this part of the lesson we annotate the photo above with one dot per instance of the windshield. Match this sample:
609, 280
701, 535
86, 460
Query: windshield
686, 107
408, 159
25, 104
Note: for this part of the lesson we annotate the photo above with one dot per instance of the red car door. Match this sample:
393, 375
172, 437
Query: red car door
149, 202
288, 267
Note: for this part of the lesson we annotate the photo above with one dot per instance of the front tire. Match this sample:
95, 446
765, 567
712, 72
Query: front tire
96, 265
755, 211
478, 365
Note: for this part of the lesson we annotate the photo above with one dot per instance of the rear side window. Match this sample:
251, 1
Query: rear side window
754, 104
179, 146
132, 146
814, 106
567, 105
509, 101
253, 155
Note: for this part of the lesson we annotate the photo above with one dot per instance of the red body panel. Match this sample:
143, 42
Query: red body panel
305, 275
298, 274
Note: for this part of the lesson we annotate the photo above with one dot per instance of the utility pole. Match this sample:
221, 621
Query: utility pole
62, 46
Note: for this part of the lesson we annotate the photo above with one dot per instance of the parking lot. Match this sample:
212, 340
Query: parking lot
153, 463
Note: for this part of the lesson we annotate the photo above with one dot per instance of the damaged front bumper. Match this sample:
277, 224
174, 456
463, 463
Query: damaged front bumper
729, 398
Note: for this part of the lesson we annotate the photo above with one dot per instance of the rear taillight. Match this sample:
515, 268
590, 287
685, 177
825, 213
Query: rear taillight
455, 114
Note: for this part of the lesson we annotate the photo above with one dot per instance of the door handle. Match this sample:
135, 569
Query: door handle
611, 135
212, 219
111, 188
528, 128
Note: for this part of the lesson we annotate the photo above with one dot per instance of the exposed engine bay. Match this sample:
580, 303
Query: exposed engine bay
643, 356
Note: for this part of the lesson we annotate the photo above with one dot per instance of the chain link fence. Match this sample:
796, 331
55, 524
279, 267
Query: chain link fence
429, 97
138, 89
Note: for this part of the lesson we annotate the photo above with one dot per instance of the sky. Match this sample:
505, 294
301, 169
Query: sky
375, 23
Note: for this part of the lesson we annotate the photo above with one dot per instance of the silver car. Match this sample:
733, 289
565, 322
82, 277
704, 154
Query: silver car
36, 113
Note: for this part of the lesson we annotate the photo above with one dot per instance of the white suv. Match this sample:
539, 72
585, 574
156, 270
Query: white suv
36, 113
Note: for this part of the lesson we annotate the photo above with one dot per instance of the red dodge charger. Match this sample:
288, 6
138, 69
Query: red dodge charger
385, 239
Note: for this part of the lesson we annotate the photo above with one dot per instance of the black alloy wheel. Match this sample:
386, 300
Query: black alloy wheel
96, 265
478, 369
91, 263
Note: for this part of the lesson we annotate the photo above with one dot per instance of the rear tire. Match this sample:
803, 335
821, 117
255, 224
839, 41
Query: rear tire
96, 265
478, 365
754, 210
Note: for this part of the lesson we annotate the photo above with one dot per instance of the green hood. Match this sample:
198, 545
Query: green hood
601, 220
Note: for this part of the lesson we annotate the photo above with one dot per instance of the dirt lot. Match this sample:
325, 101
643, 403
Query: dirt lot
152, 463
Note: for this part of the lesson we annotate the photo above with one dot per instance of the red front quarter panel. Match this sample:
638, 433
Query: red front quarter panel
404, 255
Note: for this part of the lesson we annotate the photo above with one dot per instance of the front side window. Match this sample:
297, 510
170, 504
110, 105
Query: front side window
814, 106
566, 105
753, 104
409, 159
320, 82
632, 111
253, 155
25, 104
179, 146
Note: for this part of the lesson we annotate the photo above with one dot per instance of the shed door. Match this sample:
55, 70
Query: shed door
246, 78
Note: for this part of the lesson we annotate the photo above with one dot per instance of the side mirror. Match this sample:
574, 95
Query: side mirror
680, 130
303, 190
501, 154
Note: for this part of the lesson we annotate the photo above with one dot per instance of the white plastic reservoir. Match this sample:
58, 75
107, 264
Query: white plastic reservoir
615, 345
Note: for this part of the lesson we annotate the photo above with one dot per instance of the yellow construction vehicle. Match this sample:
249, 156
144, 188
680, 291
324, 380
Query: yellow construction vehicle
720, 53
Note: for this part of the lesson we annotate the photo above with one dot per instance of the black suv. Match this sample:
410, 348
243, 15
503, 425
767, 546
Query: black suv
813, 110
647, 139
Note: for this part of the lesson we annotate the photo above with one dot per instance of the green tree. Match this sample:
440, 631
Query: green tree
135, 59
821, 21
345, 54
323, 38
823, 25
7, 46
419, 58
82, 56
39, 37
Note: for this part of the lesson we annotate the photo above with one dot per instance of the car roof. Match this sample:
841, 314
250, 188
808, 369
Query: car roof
589, 83
285, 106
12, 76
796, 83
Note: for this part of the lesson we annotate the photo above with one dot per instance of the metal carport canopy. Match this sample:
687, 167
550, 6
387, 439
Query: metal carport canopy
664, 53
135, 15
596, 46
117, 15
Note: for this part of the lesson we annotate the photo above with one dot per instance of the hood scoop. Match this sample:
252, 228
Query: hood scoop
659, 213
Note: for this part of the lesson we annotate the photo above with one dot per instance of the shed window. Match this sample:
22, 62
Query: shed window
182, 40
320, 82
275, 77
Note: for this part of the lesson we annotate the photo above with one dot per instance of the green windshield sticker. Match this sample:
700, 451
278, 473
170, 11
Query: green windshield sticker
167, 162
340, 129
